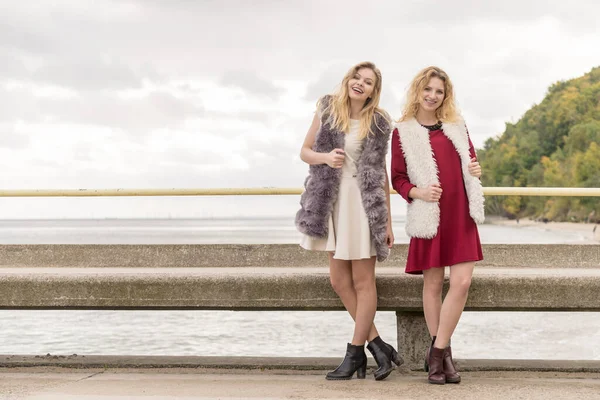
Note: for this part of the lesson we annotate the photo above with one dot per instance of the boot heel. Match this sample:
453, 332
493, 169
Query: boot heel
426, 366
361, 372
396, 359
452, 375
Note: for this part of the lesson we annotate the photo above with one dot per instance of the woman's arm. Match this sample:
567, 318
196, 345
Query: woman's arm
334, 159
400, 180
474, 167
390, 233
387, 196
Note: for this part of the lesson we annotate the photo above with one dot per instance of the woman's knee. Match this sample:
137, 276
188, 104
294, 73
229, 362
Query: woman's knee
363, 282
434, 290
461, 285
341, 284
433, 284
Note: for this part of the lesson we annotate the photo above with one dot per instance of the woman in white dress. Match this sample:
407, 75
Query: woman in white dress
346, 207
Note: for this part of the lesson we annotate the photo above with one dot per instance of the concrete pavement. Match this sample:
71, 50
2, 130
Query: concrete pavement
132, 384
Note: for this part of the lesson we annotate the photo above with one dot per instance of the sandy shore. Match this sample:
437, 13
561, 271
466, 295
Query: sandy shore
591, 232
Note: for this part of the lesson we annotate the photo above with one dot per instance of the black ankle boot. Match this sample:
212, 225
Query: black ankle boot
354, 361
384, 354
394, 356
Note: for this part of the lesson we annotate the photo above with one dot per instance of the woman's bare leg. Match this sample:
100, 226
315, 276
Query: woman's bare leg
363, 278
340, 274
454, 302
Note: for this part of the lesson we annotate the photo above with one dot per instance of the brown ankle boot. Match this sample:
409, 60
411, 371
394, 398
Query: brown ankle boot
426, 365
436, 366
450, 371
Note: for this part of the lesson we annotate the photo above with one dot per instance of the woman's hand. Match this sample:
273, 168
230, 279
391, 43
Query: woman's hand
475, 168
335, 158
431, 194
390, 235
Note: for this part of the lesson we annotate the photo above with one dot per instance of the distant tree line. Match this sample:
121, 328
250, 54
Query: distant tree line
555, 144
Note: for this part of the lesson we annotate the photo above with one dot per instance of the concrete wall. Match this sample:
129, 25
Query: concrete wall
275, 277
250, 288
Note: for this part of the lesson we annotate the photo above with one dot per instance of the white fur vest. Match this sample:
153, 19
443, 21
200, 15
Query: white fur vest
423, 217
322, 183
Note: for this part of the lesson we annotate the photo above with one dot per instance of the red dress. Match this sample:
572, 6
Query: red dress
457, 238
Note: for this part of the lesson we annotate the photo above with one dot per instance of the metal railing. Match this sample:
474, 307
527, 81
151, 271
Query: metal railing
273, 191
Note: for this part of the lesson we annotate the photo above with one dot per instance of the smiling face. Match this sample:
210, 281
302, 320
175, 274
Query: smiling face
432, 95
361, 84
431, 92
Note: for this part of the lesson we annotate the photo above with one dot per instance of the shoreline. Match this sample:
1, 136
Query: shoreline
590, 231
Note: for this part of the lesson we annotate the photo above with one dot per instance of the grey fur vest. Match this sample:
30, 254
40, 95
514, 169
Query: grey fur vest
322, 183
423, 218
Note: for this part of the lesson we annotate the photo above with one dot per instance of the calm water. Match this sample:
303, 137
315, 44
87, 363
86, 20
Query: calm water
221, 230
479, 335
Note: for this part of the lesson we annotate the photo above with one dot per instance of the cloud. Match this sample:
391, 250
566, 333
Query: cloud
327, 82
137, 115
18, 105
390, 102
11, 66
187, 156
513, 11
86, 75
262, 117
11, 139
194, 93
251, 83
15, 35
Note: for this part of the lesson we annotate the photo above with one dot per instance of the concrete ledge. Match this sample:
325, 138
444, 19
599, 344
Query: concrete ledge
529, 365
271, 255
274, 363
496, 289
94, 361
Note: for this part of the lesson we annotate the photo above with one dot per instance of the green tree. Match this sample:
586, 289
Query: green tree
555, 143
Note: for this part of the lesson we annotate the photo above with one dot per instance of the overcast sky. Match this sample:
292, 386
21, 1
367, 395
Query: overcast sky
218, 93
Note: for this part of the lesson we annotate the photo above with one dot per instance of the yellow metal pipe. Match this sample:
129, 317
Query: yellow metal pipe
271, 191
542, 191
147, 192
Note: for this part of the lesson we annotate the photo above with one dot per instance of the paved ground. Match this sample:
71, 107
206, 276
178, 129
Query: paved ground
186, 383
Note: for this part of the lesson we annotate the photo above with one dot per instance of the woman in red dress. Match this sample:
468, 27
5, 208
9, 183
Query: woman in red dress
435, 168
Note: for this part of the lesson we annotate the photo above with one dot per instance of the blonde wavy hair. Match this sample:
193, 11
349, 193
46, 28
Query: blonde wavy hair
446, 112
339, 106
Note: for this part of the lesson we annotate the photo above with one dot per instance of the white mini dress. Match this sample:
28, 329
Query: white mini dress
349, 235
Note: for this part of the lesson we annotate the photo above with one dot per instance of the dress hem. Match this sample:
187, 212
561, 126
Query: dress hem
336, 258
420, 271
